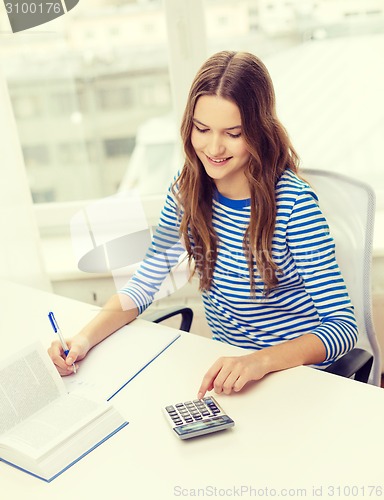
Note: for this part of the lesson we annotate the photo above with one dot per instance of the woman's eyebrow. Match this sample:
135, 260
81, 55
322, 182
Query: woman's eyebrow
203, 124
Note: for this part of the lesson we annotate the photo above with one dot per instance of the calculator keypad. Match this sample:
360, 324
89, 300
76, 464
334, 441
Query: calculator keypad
191, 411
197, 417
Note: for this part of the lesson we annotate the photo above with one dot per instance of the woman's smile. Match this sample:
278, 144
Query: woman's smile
218, 161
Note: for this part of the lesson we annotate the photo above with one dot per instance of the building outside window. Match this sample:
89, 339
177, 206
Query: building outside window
68, 87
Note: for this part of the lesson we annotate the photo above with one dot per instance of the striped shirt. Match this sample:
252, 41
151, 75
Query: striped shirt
310, 296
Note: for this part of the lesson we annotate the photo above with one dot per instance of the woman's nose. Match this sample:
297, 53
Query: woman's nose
216, 146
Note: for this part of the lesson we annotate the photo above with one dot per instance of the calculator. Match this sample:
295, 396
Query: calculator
197, 417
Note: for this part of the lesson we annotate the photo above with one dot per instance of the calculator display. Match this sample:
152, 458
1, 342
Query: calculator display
203, 425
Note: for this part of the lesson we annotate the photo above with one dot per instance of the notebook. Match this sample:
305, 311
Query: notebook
113, 363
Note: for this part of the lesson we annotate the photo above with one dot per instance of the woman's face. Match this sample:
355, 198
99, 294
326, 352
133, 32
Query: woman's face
217, 139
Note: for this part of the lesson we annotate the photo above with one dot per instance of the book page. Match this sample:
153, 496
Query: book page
28, 382
53, 424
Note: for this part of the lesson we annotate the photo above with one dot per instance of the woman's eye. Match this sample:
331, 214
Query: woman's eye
234, 136
201, 130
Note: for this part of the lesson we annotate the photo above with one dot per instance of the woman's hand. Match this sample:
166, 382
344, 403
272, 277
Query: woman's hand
230, 374
118, 311
78, 348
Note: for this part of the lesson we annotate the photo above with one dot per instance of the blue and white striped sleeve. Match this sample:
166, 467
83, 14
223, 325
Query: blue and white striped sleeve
162, 255
313, 250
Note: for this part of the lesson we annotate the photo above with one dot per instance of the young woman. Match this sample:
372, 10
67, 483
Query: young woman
253, 231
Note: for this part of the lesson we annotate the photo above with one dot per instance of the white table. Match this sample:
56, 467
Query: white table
298, 431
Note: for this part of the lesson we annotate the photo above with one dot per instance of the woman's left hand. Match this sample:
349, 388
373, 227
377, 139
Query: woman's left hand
230, 374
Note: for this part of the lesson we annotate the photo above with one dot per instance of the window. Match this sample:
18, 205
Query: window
27, 106
115, 98
71, 153
155, 94
88, 98
62, 103
81, 89
119, 147
37, 154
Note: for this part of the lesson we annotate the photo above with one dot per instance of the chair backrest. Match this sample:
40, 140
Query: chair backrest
349, 207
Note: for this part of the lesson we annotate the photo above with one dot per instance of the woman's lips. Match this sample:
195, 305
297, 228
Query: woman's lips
218, 161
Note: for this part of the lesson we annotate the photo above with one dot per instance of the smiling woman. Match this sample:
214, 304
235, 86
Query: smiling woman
265, 263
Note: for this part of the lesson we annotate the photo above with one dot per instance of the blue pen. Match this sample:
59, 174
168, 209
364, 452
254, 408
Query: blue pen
57, 330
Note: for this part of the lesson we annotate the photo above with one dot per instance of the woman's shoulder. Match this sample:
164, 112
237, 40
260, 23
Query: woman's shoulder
173, 188
291, 186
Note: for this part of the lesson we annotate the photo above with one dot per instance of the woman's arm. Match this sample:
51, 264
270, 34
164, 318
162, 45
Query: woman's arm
134, 298
313, 250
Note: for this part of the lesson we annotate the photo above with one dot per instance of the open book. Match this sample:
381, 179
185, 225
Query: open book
43, 429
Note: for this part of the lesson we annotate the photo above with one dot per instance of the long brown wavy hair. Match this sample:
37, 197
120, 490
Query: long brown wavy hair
243, 79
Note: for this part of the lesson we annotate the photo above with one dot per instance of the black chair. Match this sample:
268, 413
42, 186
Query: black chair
186, 314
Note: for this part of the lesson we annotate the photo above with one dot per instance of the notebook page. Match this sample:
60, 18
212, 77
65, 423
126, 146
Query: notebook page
119, 358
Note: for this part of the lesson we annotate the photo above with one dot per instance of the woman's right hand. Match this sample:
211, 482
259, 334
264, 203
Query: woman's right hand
78, 346
117, 312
